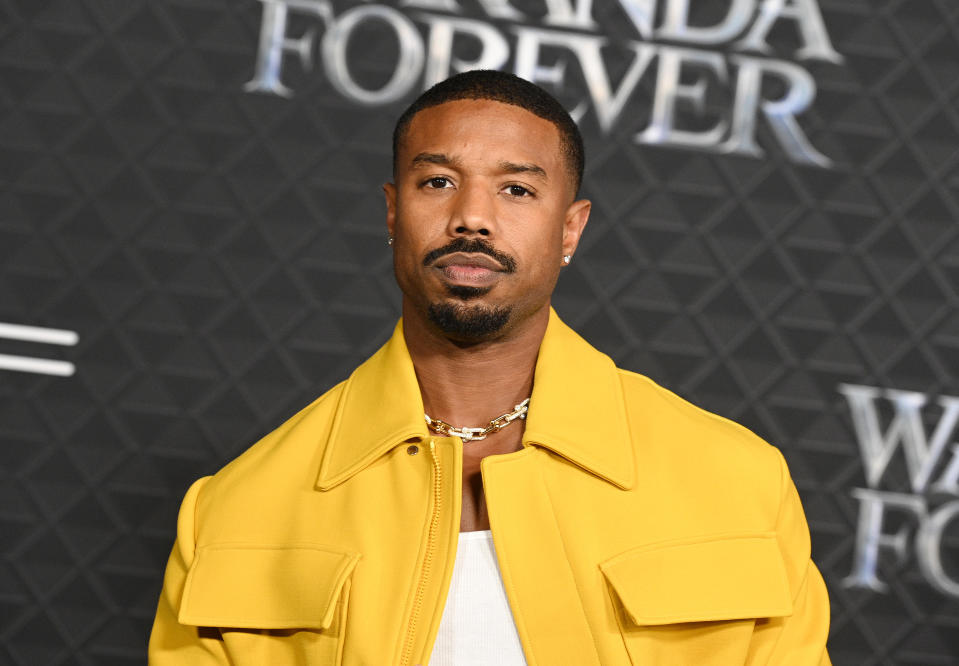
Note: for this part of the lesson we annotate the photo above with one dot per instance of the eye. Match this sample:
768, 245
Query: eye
518, 191
438, 183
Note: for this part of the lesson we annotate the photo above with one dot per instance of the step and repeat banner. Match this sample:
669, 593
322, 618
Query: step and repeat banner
192, 246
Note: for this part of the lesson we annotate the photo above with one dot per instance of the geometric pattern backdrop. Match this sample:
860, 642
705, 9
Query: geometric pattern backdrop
221, 257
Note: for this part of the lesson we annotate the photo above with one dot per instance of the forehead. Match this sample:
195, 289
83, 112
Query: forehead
483, 129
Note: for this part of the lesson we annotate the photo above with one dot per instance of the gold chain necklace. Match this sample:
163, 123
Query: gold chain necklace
470, 434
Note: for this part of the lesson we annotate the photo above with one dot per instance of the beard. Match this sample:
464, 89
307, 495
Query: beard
468, 323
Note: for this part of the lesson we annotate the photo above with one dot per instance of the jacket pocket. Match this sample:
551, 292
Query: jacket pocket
698, 600
276, 605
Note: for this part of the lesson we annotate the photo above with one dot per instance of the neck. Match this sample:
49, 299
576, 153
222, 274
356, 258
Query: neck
470, 385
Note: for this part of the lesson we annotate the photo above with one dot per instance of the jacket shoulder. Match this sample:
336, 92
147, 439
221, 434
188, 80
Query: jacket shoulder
667, 427
288, 456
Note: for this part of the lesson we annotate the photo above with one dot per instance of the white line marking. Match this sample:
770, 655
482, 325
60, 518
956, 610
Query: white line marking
40, 366
51, 336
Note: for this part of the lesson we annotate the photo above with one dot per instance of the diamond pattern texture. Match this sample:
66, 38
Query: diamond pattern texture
221, 255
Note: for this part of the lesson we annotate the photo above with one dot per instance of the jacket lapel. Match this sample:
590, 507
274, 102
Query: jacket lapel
380, 406
577, 408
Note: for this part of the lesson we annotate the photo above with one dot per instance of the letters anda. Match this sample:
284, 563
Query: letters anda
683, 61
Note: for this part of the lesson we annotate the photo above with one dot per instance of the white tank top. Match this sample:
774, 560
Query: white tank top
477, 628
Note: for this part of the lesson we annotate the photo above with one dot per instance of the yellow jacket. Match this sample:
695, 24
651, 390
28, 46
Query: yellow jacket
632, 528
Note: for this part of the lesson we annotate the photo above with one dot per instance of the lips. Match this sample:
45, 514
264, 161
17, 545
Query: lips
468, 259
468, 268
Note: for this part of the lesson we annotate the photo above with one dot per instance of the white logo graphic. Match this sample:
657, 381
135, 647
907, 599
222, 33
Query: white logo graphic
686, 62
932, 466
42, 366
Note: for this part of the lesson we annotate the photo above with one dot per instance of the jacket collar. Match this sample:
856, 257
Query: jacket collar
577, 409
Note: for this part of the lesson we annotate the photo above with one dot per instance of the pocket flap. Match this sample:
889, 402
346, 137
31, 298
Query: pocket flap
717, 578
262, 587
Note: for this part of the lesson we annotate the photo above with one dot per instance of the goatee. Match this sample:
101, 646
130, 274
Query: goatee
468, 323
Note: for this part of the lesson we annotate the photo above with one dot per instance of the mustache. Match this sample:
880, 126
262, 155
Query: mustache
472, 245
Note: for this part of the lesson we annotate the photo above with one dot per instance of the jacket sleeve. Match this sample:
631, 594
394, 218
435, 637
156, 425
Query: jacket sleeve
172, 643
798, 639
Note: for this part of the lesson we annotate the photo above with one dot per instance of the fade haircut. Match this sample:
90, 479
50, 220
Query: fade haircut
508, 89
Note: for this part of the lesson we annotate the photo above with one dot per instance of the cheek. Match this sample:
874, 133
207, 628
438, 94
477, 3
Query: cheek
543, 236
420, 223
539, 259
410, 229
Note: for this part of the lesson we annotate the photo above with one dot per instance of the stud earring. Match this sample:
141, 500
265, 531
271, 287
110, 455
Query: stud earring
389, 240
567, 258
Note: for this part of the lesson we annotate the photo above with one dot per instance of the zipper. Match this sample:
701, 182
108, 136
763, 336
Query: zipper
428, 557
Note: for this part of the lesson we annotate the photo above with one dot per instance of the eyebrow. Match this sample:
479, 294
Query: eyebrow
423, 159
529, 167
434, 158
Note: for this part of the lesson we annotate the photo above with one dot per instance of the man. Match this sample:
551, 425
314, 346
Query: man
629, 526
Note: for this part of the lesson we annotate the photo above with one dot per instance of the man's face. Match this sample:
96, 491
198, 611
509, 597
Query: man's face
482, 213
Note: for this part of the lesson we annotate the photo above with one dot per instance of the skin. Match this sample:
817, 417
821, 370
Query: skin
480, 169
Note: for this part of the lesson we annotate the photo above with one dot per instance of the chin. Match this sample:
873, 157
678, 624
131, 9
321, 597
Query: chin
466, 322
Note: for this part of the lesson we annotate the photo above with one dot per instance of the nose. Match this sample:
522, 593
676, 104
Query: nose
474, 211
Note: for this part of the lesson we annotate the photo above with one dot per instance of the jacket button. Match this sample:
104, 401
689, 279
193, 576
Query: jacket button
412, 449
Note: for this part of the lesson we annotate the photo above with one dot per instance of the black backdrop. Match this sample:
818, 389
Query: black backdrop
220, 257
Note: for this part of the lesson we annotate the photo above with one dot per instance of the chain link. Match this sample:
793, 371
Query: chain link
471, 434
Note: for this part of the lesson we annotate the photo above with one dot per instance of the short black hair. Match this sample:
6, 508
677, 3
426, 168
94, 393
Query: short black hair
508, 89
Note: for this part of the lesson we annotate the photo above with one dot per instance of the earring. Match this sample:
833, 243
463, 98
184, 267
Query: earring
389, 240
567, 258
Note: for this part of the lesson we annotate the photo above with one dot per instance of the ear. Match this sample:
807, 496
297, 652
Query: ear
389, 189
577, 214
